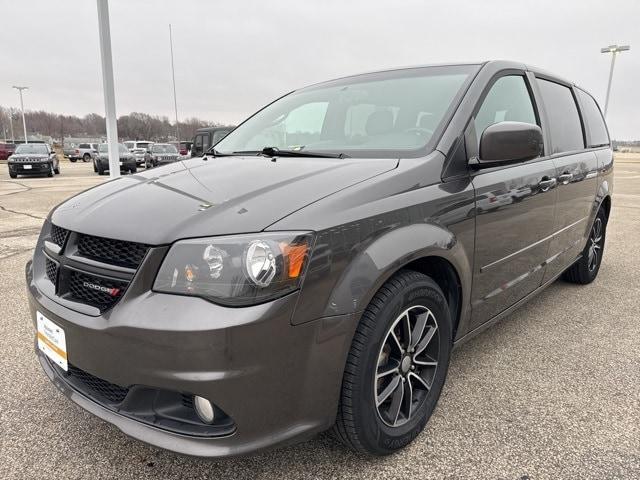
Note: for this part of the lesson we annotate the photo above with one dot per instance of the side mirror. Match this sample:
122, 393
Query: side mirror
505, 142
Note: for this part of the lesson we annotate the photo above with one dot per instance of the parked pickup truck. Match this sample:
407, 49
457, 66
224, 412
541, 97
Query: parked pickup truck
84, 151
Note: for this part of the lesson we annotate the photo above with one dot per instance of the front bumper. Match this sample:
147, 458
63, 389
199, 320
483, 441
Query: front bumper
37, 168
278, 383
125, 165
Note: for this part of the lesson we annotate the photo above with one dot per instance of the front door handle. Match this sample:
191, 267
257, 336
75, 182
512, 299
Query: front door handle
565, 178
546, 183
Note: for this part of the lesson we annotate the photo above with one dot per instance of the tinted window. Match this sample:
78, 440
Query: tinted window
84, 145
104, 148
163, 148
563, 117
205, 142
197, 145
219, 135
593, 118
507, 101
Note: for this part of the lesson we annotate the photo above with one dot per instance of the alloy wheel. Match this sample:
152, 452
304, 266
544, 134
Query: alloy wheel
595, 244
407, 364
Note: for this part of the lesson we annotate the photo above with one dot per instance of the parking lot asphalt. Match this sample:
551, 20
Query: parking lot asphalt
552, 391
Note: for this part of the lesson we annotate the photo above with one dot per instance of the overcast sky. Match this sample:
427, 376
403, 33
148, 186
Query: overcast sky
232, 57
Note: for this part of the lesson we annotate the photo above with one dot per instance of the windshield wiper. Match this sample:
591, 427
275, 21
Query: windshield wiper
276, 152
214, 153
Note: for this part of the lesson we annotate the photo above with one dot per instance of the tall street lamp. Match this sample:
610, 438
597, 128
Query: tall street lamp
613, 49
24, 123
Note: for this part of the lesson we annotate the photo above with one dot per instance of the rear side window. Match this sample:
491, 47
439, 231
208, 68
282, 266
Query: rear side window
507, 101
563, 117
84, 145
598, 135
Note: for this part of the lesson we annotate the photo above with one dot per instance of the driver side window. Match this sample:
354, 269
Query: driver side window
508, 100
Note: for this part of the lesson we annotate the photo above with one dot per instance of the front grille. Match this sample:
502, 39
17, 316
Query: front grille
27, 160
93, 290
75, 275
95, 386
52, 270
58, 235
115, 252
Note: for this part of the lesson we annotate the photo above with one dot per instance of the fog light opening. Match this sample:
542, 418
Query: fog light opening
204, 409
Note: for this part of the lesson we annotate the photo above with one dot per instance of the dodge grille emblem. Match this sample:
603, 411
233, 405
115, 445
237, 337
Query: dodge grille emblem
111, 291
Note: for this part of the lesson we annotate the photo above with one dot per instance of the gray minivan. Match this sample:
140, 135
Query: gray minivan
316, 269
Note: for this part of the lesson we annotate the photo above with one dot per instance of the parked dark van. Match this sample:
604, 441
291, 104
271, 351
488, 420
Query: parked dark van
317, 268
206, 137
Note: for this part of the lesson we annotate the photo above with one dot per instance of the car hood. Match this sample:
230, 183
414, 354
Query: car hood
205, 197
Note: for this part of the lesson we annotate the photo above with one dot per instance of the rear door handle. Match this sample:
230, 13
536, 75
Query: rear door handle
546, 183
565, 178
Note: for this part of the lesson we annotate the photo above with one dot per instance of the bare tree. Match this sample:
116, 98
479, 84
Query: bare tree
134, 126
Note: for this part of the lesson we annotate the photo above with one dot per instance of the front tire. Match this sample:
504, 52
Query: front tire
396, 367
13, 175
586, 269
50, 174
86, 157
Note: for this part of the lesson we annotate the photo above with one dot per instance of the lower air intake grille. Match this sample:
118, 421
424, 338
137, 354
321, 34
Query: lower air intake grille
93, 290
95, 386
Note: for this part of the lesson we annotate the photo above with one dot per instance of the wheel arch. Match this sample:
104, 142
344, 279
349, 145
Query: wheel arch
442, 271
605, 204
430, 249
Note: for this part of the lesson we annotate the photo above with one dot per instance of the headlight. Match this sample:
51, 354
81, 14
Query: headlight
237, 270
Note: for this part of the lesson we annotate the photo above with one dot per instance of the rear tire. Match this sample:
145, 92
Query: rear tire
400, 351
586, 269
133, 170
57, 170
100, 170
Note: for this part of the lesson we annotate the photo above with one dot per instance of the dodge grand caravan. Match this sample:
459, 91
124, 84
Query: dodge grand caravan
316, 268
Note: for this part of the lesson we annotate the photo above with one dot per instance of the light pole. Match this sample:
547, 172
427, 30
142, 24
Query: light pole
24, 123
13, 138
107, 85
173, 75
613, 49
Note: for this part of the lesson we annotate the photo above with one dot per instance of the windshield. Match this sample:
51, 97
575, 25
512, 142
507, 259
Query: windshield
33, 148
103, 148
384, 114
163, 149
